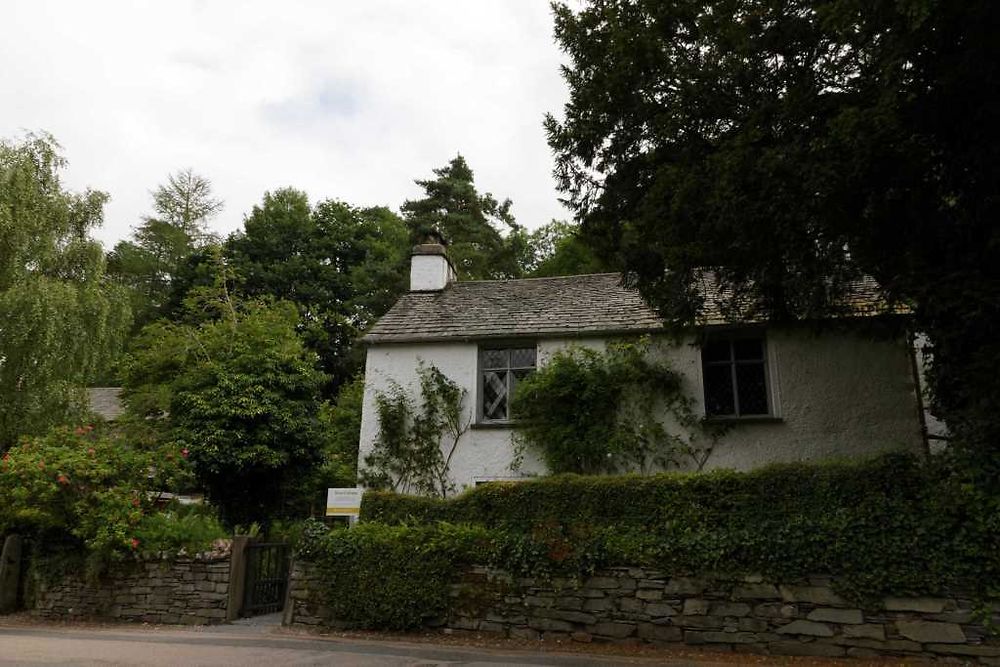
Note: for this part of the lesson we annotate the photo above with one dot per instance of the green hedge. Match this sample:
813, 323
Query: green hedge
892, 525
712, 499
392, 577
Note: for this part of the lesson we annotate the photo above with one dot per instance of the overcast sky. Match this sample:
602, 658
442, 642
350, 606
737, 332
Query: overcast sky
347, 100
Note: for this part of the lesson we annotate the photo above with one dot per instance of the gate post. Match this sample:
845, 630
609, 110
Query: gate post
289, 609
237, 576
10, 573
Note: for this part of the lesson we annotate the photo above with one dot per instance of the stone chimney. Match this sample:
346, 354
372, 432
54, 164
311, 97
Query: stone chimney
430, 268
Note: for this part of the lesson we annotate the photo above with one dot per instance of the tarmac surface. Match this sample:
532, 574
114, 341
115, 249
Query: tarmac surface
257, 642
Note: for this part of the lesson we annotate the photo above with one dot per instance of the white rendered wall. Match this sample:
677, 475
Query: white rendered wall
429, 273
837, 396
482, 454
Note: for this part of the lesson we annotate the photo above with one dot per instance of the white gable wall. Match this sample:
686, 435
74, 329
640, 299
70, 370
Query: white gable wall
482, 453
837, 396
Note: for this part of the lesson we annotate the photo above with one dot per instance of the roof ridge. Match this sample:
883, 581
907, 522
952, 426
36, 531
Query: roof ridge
538, 278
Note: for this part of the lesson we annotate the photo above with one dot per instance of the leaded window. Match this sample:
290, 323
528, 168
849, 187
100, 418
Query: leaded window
500, 370
735, 373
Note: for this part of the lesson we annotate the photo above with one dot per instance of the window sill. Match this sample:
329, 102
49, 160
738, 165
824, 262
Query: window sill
493, 425
750, 419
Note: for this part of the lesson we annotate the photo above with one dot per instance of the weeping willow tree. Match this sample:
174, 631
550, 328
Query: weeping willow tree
61, 321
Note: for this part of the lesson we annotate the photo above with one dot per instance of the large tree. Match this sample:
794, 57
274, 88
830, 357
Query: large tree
187, 201
239, 393
61, 322
792, 146
162, 243
341, 265
484, 239
557, 249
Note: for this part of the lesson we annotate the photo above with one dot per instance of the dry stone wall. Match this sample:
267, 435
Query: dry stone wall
747, 615
190, 591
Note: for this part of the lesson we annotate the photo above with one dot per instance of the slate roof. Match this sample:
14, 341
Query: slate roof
545, 307
475, 309
106, 402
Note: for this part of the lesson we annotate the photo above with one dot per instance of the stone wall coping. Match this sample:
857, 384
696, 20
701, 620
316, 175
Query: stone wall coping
220, 551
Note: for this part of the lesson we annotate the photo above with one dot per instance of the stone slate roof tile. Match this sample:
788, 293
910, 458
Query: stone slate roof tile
532, 307
567, 305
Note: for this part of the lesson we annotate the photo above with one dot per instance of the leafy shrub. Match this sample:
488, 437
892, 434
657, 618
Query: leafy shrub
892, 525
341, 423
393, 577
310, 537
241, 392
620, 409
179, 530
86, 486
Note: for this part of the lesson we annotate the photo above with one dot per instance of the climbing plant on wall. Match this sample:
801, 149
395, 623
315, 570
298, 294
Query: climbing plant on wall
417, 438
620, 409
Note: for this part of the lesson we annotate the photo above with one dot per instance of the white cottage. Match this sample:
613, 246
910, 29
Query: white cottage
789, 394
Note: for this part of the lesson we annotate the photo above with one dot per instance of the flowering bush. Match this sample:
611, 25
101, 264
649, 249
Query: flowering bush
86, 485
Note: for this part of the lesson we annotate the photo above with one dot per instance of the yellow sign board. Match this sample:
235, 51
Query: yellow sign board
343, 502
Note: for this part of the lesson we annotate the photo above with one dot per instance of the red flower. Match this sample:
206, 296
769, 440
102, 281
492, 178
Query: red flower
79, 430
135, 502
88, 427
184, 452
135, 544
91, 451
62, 479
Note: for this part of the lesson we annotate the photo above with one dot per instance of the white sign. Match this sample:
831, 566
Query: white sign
343, 502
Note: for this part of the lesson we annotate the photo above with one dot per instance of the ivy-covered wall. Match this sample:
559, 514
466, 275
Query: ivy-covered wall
483, 453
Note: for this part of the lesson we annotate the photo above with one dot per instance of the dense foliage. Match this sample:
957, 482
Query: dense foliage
889, 526
615, 410
241, 393
791, 147
150, 263
417, 436
484, 239
61, 323
87, 487
342, 266
341, 425
557, 249
179, 530
391, 577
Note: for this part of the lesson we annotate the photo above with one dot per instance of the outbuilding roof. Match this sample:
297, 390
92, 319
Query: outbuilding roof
548, 307
105, 402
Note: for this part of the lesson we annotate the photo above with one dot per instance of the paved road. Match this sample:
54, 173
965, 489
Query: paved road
243, 646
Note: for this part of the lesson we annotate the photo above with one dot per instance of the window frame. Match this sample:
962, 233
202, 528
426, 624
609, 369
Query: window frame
770, 395
481, 419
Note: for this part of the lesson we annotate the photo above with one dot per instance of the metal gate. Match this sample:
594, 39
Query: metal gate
266, 578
